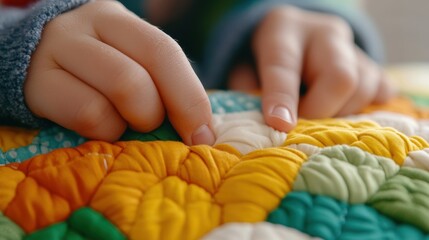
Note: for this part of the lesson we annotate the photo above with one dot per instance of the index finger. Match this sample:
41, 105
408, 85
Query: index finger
182, 93
279, 49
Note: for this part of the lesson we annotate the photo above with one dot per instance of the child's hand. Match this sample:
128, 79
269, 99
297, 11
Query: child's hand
99, 68
292, 45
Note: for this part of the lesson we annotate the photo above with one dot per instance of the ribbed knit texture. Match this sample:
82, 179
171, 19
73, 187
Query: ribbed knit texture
223, 36
20, 32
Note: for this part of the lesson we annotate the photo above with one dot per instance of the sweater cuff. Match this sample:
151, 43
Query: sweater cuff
231, 36
20, 33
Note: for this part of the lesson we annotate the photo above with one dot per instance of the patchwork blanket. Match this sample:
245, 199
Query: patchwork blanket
364, 176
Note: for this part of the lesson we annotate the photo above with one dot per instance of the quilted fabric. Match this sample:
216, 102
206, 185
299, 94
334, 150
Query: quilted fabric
364, 176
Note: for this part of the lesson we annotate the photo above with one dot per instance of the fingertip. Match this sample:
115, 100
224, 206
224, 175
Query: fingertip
110, 133
98, 120
280, 118
191, 117
203, 135
151, 123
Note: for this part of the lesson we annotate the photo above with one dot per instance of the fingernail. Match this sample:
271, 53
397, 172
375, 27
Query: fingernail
282, 113
203, 135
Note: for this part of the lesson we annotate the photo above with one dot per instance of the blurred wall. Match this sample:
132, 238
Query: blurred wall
404, 26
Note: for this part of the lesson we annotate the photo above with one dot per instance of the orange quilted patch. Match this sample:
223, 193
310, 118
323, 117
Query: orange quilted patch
401, 105
143, 187
57, 183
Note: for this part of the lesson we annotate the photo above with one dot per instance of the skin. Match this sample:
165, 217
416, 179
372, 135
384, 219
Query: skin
86, 76
292, 45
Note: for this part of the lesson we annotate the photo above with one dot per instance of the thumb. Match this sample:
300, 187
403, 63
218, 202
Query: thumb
191, 116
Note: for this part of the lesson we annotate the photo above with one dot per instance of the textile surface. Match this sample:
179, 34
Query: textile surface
364, 176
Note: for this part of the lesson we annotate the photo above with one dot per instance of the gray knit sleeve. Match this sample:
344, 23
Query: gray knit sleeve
20, 33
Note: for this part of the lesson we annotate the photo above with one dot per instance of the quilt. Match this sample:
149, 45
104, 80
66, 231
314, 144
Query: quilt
364, 176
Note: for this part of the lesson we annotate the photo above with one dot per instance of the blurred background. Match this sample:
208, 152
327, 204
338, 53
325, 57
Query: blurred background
404, 26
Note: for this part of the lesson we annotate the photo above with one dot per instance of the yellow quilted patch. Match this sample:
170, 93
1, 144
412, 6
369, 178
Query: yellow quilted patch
13, 137
364, 176
368, 136
152, 190
8, 185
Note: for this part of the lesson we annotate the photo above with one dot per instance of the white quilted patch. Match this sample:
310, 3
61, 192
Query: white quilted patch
258, 231
246, 131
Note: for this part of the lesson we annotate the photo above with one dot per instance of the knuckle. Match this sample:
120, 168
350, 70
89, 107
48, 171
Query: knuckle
198, 103
284, 58
288, 12
346, 81
281, 15
125, 81
287, 99
193, 107
107, 7
57, 27
165, 51
290, 73
103, 12
166, 45
286, 64
336, 26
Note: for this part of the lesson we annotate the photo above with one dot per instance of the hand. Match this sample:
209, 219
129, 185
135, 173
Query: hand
99, 68
293, 44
